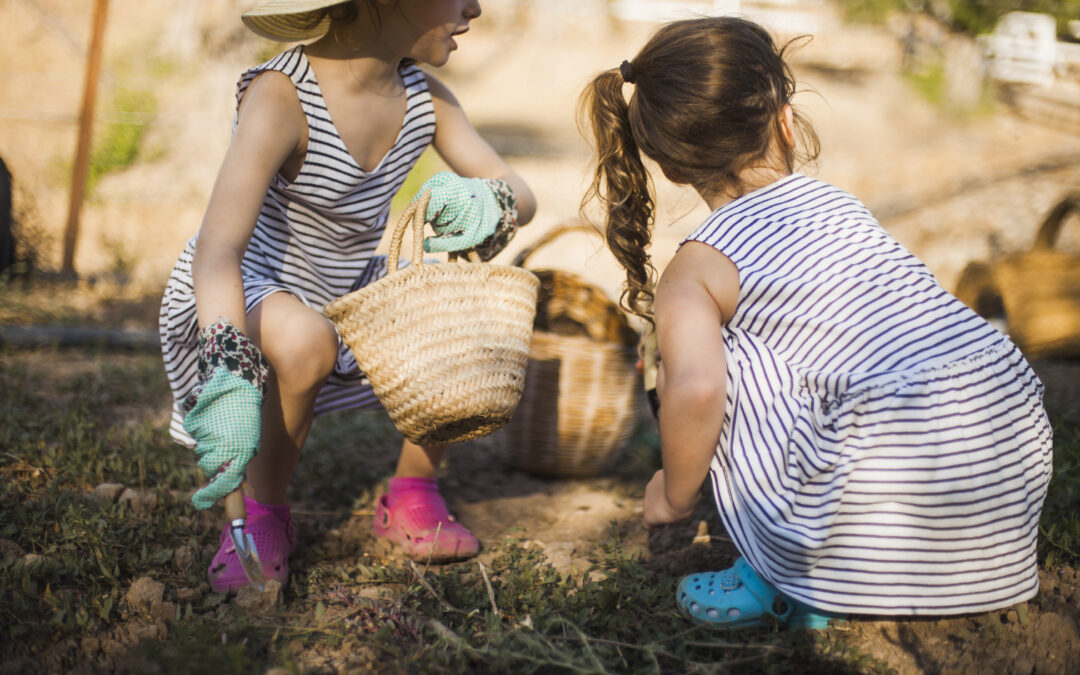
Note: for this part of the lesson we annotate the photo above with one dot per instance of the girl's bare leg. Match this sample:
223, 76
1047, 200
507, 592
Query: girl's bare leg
419, 462
301, 346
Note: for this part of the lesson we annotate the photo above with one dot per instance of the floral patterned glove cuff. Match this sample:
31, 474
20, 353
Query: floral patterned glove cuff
507, 226
221, 345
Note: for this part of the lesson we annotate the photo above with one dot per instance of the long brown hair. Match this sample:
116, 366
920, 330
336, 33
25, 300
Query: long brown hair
708, 101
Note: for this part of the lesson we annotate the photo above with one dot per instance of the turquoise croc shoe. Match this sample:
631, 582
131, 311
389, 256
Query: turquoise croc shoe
739, 598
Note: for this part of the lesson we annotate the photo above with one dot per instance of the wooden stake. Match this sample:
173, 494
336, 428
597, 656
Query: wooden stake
82, 148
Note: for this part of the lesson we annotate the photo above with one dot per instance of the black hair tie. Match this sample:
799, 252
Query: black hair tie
627, 72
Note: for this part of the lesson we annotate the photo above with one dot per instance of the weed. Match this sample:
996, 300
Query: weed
1060, 523
118, 143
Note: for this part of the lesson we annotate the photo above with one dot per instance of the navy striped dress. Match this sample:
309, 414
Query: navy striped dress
315, 236
884, 450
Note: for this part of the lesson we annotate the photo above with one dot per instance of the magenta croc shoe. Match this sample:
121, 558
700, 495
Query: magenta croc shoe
418, 520
275, 540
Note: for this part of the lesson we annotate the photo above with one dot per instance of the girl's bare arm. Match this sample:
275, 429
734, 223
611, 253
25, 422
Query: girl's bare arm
468, 154
271, 128
694, 298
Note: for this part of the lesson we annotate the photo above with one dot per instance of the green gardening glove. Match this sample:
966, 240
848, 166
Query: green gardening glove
467, 213
224, 411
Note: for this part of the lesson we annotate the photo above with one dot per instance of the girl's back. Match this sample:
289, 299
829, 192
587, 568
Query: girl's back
856, 425
830, 293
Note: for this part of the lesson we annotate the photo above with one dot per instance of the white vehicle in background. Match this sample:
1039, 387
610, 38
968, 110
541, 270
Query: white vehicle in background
1024, 49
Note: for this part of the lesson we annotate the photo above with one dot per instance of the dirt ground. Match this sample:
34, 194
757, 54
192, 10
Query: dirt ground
954, 181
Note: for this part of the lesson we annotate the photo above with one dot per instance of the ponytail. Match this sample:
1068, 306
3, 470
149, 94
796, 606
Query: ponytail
621, 184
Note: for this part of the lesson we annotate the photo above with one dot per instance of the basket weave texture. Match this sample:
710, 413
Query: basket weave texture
1039, 289
444, 345
578, 408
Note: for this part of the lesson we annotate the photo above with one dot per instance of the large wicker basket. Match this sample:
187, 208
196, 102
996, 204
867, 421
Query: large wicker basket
444, 345
1037, 290
579, 404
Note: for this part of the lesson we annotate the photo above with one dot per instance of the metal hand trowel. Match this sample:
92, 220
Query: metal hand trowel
236, 512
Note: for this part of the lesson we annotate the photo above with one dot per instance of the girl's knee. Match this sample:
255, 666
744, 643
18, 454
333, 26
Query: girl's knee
302, 351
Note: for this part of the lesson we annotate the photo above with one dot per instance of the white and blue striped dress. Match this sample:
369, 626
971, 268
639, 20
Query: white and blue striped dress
315, 236
884, 450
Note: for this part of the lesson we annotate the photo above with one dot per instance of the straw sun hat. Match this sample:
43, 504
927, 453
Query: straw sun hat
288, 20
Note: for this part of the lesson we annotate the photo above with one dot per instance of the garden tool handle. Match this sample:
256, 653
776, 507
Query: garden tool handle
235, 509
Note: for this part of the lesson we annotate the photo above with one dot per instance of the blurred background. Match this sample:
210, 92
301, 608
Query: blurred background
956, 121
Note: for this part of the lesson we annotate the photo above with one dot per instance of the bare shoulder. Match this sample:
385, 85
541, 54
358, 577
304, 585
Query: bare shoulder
698, 269
272, 94
271, 121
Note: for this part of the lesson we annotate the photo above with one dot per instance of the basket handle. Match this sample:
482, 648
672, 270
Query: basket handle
414, 215
1051, 227
550, 236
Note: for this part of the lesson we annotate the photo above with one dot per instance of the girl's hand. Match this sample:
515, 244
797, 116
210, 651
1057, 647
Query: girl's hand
224, 411
657, 510
469, 213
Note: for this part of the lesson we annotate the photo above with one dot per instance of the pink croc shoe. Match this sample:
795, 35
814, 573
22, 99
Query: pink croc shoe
417, 519
272, 530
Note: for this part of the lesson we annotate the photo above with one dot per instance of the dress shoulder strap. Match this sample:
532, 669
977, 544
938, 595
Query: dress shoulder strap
292, 63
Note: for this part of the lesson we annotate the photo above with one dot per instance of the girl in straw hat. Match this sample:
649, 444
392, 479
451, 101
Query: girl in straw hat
324, 136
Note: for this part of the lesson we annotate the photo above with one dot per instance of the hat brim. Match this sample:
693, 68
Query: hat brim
288, 20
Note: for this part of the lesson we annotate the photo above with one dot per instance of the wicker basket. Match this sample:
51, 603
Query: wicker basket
1038, 290
444, 345
579, 404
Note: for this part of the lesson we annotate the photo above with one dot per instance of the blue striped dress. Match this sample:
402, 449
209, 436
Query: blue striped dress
315, 236
884, 450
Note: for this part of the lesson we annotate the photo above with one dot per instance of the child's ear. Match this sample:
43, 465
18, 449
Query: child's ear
787, 125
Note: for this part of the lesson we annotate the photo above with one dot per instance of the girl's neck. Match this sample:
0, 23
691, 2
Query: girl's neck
362, 61
750, 179
773, 166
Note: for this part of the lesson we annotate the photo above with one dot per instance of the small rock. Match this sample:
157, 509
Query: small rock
133, 632
112, 647
264, 602
33, 560
163, 611
139, 501
144, 593
107, 493
188, 595
560, 556
90, 646
9, 549
277, 671
374, 593
361, 658
184, 557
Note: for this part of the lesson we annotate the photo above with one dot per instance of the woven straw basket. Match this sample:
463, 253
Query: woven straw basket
444, 345
578, 407
1039, 290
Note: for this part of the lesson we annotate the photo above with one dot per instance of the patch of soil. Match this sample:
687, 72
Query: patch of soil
568, 518
1040, 636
